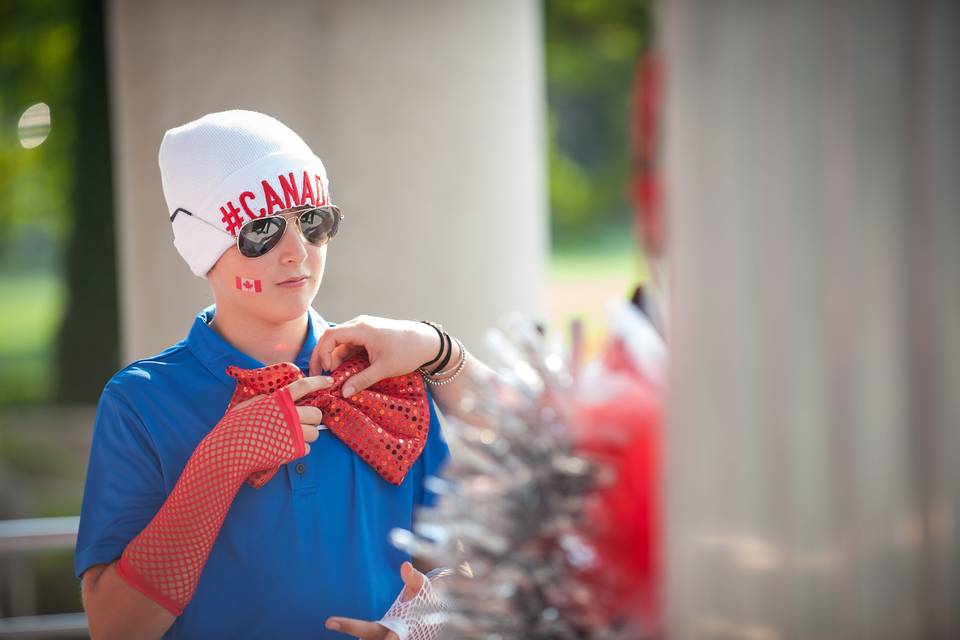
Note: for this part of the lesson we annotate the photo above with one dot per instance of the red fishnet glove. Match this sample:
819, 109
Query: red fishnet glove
165, 560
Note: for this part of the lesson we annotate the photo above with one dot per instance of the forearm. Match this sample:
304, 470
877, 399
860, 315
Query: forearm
127, 599
116, 610
165, 560
448, 396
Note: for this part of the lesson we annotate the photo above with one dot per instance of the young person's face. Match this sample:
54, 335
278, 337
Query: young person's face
261, 287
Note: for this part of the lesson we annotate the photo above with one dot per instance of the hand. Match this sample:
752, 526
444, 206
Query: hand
412, 582
394, 348
310, 417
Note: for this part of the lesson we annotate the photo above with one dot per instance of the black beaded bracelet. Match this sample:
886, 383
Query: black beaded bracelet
440, 333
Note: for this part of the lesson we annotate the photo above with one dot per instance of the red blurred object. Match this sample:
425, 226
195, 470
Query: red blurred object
645, 188
618, 412
621, 430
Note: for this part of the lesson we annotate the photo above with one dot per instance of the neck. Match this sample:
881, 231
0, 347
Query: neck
269, 342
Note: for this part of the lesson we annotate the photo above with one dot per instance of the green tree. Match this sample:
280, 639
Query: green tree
592, 47
57, 252
88, 350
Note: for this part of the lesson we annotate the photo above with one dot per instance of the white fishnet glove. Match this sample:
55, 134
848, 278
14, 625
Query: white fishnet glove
421, 617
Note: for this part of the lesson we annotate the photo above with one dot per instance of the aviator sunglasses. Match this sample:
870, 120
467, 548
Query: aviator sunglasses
317, 224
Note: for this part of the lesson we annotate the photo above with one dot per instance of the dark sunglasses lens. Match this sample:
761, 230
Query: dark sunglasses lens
259, 236
320, 224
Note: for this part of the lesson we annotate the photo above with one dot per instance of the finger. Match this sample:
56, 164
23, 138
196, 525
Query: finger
240, 405
310, 432
331, 338
303, 386
309, 415
358, 628
334, 336
412, 581
337, 355
342, 353
316, 367
357, 383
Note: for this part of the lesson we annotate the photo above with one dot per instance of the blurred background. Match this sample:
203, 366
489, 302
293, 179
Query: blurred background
87, 264
789, 189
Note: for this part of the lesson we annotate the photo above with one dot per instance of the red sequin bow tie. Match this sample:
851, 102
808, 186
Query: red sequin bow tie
386, 424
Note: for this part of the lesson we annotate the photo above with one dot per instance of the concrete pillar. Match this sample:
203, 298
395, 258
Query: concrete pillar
428, 114
813, 156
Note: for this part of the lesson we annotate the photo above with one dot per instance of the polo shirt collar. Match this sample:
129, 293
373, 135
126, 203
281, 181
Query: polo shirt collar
217, 354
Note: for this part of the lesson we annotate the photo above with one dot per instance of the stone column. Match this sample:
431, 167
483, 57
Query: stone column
428, 114
814, 465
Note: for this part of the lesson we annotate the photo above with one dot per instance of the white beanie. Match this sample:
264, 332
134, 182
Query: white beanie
226, 168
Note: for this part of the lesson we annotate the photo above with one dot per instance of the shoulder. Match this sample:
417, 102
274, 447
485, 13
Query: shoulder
140, 376
128, 407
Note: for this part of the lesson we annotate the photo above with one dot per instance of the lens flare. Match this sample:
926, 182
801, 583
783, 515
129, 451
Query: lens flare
34, 125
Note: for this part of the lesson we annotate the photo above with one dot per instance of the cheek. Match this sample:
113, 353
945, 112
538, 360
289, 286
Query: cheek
317, 260
240, 277
247, 285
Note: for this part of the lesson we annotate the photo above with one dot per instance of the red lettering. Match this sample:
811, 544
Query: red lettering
321, 193
231, 218
247, 195
307, 190
290, 195
273, 200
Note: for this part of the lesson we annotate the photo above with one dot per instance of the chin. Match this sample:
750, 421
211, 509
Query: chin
288, 307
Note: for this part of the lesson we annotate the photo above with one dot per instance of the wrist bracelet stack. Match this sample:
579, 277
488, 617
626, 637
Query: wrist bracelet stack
439, 375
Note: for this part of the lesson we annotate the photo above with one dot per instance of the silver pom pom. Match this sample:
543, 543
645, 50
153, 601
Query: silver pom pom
511, 504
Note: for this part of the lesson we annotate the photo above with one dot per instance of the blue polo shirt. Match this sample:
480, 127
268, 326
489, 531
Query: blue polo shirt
312, 543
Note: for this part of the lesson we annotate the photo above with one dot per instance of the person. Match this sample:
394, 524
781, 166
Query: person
207, 514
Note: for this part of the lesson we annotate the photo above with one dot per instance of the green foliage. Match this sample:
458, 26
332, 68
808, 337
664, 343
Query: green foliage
88, 337
38, 46
38, 49
33, 308
592, 47
58, 278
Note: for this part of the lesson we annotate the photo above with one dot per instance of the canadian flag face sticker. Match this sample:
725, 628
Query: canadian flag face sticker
248, 284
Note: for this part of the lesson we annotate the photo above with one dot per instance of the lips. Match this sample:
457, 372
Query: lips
293, 279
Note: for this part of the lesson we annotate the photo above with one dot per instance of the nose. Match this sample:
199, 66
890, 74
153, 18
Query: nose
292, 246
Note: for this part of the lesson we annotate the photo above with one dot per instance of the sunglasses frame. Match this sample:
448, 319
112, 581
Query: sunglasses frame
338, 217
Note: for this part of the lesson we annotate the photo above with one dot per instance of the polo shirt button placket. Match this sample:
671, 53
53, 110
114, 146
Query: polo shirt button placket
300, 468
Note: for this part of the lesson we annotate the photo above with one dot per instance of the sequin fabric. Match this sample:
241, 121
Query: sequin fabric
386, 424
165, 560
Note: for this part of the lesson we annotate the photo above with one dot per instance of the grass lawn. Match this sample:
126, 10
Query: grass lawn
584, 277
32, 309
